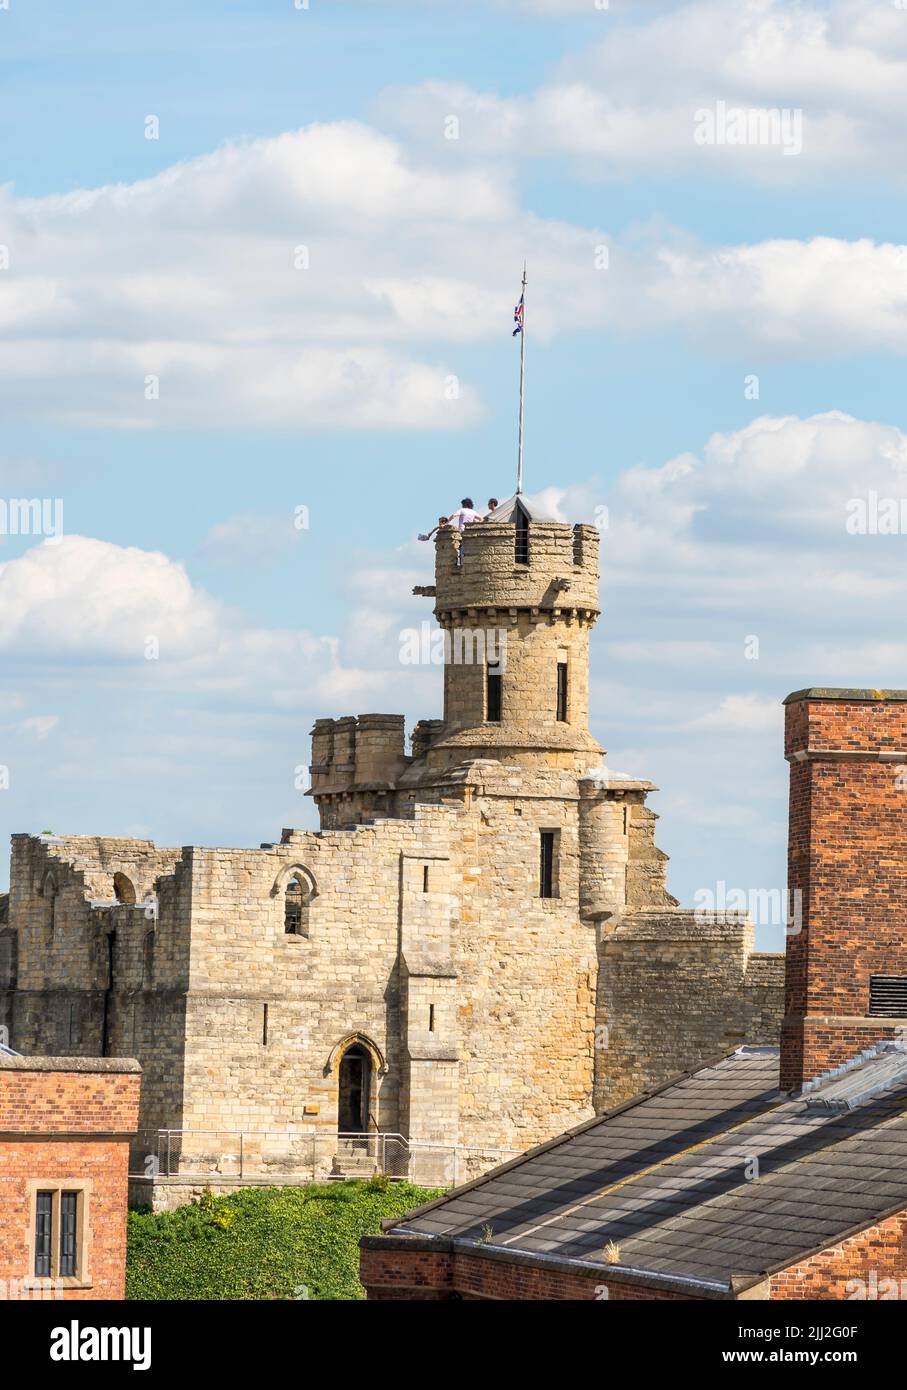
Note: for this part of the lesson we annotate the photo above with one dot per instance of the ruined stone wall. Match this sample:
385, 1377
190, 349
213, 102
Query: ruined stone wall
86, 974
646, 863
675, 988
269, 1013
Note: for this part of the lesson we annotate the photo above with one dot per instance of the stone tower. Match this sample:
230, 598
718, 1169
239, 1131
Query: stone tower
517, 598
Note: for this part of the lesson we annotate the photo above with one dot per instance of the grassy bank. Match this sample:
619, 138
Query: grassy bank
275, 1242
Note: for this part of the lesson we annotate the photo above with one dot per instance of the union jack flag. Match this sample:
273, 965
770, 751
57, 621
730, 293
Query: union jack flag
518, 316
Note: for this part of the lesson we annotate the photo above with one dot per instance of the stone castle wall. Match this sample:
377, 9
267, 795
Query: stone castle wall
675, 989
88, 974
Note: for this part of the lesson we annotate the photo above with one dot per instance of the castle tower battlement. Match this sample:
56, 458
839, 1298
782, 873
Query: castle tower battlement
518, 597
534, 564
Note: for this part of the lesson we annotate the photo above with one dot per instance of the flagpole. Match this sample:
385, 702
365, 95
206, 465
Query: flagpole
519, 476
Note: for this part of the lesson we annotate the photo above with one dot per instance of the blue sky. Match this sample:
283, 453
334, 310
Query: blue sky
324, 387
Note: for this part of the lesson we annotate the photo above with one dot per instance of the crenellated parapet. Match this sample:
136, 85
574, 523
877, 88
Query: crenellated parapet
356, 762
549, 566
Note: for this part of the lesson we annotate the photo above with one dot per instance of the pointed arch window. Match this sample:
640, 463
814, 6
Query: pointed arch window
296, 889
124, 890
296, 906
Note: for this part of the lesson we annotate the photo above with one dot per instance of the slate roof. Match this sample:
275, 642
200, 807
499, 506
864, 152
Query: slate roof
506, 511
671, 1178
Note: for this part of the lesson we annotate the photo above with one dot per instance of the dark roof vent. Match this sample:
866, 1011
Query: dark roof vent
888, 996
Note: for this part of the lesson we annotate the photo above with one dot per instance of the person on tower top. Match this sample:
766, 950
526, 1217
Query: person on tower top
465, 514
443, 522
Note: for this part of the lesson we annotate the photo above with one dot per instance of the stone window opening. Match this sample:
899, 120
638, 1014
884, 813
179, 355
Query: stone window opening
562, 691
124, 890
296, 907
106, 1009
548, 865
521, 545
295, 887
494, 686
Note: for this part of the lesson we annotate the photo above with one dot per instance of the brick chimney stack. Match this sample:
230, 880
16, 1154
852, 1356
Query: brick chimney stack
846, 976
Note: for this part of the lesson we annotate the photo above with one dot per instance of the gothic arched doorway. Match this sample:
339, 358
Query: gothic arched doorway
355, 1084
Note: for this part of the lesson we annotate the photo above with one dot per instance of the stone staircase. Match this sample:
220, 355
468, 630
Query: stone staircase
353, 1160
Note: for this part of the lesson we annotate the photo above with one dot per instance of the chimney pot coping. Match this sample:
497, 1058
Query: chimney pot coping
867, 696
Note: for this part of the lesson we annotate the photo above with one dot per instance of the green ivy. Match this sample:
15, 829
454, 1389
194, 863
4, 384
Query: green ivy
263, 1243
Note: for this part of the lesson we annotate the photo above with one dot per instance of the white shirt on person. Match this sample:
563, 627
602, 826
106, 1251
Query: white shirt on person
464, 516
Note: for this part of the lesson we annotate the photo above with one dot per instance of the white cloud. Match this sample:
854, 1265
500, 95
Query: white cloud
136, 620
280, 282
250, 539
627, 103
40, 726
175, 302
90, 599
742, 714
730, 579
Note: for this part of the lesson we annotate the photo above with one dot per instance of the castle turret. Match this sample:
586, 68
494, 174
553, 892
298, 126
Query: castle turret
355, 766
517, 597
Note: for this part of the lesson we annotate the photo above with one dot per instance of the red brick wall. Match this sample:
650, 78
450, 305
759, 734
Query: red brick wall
391, 1273
848, 862
58, 1127
58, 1102
105, 1165
876, 1255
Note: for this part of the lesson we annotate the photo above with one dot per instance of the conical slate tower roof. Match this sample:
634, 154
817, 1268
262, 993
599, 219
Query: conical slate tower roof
507, 511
